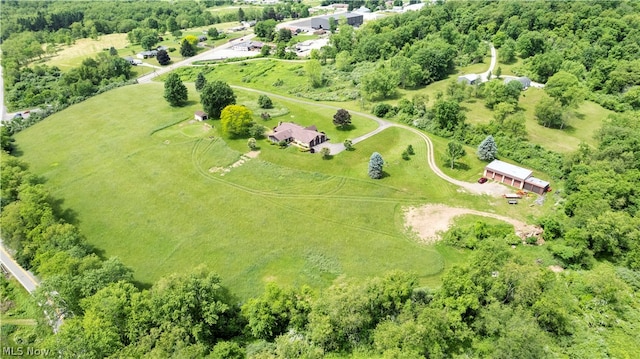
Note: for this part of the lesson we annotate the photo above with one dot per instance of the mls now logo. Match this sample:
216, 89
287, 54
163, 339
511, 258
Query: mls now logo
20, 351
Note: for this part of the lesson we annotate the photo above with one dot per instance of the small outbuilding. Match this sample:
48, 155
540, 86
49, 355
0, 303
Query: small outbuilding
515, 176
200, 116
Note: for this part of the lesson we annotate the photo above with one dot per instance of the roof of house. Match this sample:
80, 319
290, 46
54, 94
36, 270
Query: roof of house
523, 80
250, 44
347, 15
362, 10
289, 129
537, 182
508, 169
469, 77
200, 113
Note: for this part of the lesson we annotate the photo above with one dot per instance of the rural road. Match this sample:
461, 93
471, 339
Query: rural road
494, 58
199, 57
26, 278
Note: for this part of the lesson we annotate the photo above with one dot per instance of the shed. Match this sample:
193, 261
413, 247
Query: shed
536, 185
200, 116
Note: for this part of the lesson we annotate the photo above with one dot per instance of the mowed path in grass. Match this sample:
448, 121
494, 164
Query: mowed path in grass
143, 190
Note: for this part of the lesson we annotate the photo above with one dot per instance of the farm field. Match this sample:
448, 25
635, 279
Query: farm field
164, 194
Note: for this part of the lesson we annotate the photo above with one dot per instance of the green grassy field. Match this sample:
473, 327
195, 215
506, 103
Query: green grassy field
148, 185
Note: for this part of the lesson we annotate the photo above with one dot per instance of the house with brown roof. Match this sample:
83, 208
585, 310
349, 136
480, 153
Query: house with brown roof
290, 132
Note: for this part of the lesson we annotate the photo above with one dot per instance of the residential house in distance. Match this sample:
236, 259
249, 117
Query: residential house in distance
525, 81
200, 115
248, 46
147, 54
290, 132
469, 79
515, 176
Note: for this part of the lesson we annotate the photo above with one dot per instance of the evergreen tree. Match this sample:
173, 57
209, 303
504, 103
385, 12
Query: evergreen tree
201, 81
487, 150
175, 92
163, 57
186, 49
375, 166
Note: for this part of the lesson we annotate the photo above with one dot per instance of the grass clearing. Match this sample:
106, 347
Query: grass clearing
72, 55
143, 185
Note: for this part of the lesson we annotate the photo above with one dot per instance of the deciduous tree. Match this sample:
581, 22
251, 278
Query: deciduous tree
453, 152
175, 92
265, 29
236, 120
215, 96
163, 57
565, 87
448, 114
342, 119
187, 49
265, 102
549, 113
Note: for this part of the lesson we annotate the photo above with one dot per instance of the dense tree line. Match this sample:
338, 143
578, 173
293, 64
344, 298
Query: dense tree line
597, 43
599, 217
36, 86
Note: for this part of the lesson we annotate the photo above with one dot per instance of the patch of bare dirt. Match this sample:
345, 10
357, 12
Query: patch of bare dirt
556, 269
244, 158
428, 221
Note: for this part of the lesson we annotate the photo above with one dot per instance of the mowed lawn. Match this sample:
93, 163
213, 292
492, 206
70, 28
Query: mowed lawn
146, 191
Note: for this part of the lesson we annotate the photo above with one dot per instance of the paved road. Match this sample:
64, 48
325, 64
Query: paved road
199, 57
26, 278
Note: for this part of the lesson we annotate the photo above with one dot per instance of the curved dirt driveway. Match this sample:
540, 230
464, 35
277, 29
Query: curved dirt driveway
429, 220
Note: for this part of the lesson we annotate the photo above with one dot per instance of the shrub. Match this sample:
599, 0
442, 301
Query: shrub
265, 102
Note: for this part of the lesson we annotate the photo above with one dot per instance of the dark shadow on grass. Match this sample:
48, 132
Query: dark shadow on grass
460, 166
385, 174
16, 152
190, 103
327, 157
349, 127
67, 214
142, 285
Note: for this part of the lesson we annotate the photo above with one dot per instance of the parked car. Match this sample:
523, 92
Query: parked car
482, 180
